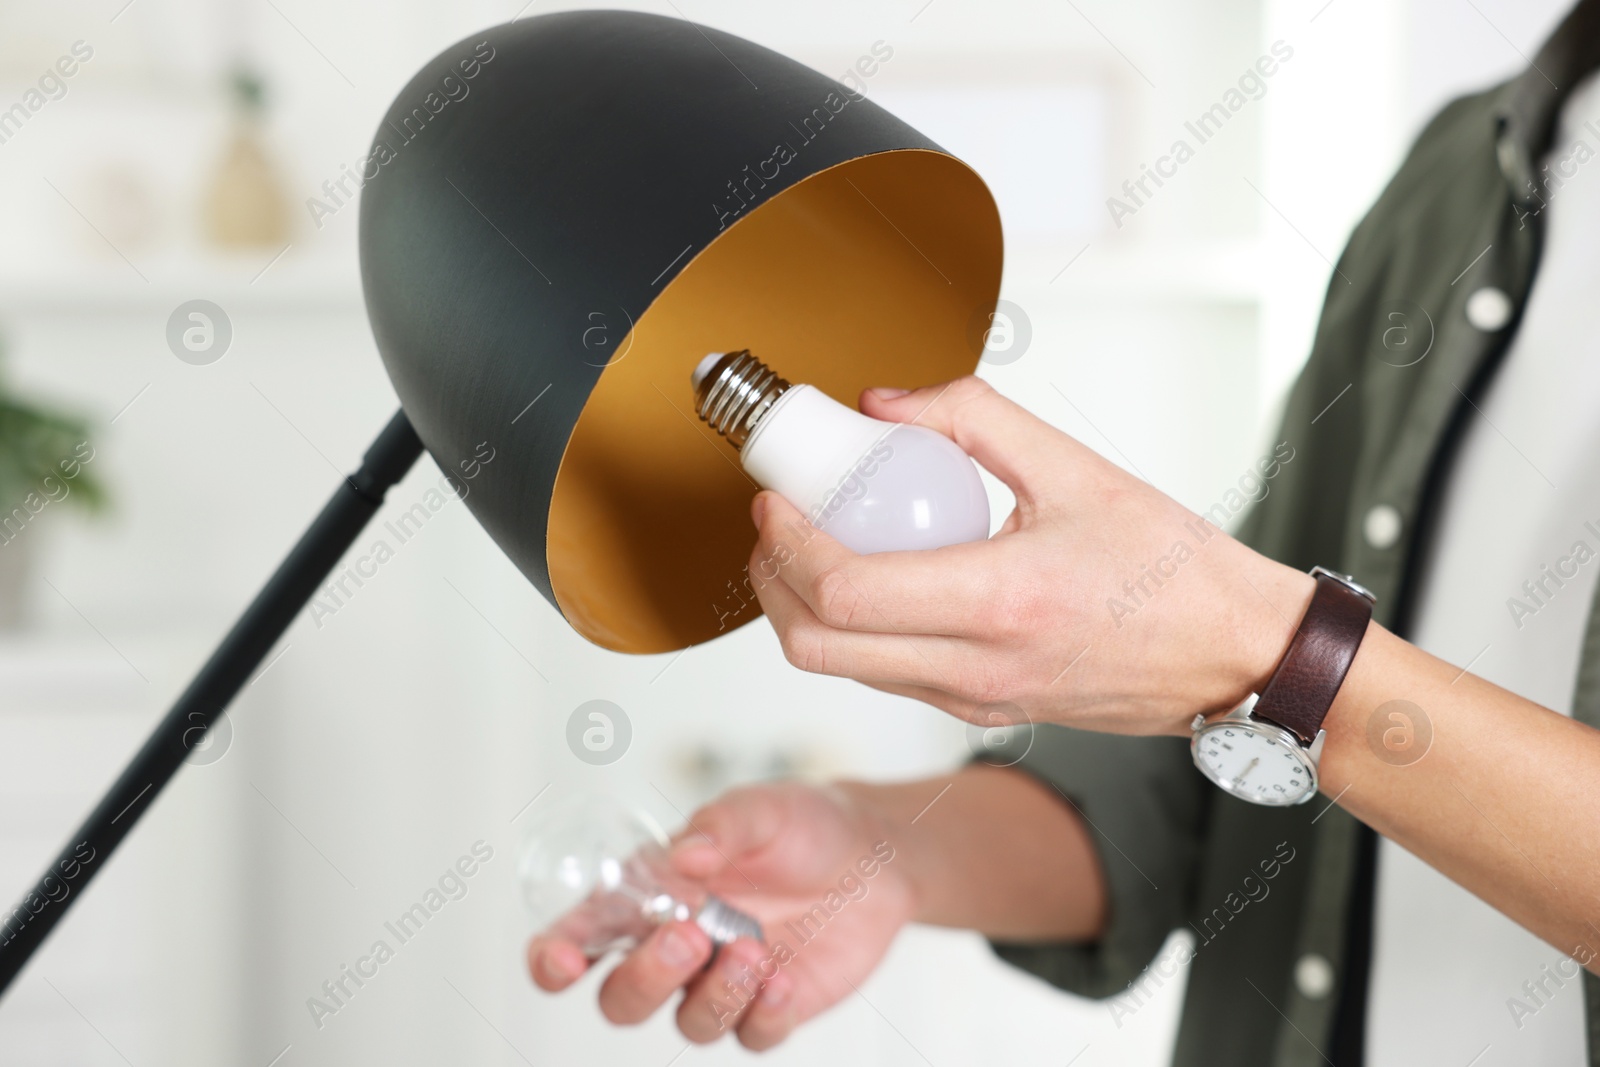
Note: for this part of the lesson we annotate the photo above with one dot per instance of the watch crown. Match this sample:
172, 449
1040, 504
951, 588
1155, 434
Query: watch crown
1198, 724
1346, 581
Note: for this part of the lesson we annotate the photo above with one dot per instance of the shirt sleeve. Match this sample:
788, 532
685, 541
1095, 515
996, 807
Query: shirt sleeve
1144, 805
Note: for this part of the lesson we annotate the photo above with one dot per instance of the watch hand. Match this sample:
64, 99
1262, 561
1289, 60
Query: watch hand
1248, 768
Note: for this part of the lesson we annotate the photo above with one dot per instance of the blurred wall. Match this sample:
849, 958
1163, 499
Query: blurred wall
425, 714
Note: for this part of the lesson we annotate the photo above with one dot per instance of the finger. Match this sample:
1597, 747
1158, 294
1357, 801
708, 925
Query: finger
935, 661
773, 1017
1011, 442
929, 592
662, 964
555, 964
718, 1000
729, 830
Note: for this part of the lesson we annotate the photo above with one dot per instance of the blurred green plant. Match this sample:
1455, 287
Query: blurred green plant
247, 90
35, 441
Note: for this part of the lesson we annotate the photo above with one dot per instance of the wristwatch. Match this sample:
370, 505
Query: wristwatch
1266, 750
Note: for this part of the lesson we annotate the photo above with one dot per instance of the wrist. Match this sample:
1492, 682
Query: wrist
1266, 604
1350, 752
881, 813
1239, 635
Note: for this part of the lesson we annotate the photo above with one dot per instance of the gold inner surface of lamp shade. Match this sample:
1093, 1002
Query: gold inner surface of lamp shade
872, 272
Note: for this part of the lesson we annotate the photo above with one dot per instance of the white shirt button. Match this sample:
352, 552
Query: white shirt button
1489, 309
1313, 976
1382, 526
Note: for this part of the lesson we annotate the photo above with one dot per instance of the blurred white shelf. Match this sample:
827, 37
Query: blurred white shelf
72, 710
45, 673
1099, 269
72, 713
325, 281
1224, 272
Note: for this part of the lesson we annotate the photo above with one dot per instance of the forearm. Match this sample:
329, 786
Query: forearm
992, 850
1105, 605
1505, 801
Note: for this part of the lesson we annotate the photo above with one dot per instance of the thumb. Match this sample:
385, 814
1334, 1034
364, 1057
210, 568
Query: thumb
1008, 440
727, 832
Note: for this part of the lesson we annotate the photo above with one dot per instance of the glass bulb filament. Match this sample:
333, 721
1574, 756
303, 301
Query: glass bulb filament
598, 874
663, 908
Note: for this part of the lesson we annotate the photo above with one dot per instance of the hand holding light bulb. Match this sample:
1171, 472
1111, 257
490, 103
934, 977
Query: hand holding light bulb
1027, 617
873, 486
775, 852
978, 619
595, 873
1004, 618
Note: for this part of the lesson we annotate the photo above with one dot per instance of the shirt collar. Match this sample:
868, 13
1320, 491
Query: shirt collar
1531, 102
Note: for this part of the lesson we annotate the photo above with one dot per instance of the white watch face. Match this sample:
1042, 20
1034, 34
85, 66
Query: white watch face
1255, 761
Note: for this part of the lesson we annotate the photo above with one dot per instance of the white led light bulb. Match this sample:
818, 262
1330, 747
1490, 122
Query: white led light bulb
873, 486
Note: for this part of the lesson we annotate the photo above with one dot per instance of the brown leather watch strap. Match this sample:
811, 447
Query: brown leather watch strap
1303, 687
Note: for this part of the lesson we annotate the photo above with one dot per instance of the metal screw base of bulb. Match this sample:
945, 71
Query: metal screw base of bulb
736, 394
724, 923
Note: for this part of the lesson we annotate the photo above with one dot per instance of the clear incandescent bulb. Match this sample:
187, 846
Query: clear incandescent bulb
873, 486
595, 872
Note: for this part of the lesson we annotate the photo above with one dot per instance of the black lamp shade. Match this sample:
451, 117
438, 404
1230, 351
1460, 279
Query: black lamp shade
563, 215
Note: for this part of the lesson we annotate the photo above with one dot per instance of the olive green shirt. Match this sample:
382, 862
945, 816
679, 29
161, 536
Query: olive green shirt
1266, 891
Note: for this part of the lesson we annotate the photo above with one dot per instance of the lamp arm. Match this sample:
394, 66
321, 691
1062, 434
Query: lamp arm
297, 578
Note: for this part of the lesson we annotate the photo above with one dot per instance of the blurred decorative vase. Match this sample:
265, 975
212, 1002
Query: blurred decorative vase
245, 206
124, 206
